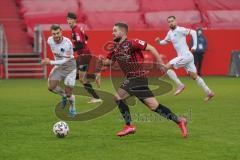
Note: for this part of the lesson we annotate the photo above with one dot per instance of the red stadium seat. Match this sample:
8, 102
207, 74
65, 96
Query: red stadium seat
65, 27
166, 5
35, 18
219, 4
109, 5
224, 19
106, 20
159, 19
48, 6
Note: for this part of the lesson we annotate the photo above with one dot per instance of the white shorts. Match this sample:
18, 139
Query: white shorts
186, 62
69, 77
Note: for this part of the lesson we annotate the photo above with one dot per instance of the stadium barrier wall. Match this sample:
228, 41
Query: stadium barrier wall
216, 60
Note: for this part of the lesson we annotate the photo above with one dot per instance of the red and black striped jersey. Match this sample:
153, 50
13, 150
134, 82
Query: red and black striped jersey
79, 41
129, 56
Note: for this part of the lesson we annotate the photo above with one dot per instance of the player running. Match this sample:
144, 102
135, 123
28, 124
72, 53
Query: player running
84, 57
177, 35
64, 67
128, 54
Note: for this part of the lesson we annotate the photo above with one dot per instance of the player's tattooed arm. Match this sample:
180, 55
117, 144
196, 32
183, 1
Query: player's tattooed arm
102, 62
105, 61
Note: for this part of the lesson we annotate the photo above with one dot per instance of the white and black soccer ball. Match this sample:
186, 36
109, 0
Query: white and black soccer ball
61, 129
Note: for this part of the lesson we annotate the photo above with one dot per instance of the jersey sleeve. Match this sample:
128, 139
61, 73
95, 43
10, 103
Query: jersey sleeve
184, 31
139, 44
166, 40
50, 42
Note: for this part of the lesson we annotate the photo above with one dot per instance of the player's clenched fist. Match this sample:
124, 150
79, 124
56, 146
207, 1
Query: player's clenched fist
45, 61
157, 40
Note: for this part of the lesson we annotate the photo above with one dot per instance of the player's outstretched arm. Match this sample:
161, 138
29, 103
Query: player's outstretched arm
105, 61
47, 61
162, 42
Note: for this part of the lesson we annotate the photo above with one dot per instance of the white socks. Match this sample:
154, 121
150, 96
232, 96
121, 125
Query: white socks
202, 84
172, 75
60, 91
72, 102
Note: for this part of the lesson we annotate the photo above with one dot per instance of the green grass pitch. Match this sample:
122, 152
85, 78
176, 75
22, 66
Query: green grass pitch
27, 116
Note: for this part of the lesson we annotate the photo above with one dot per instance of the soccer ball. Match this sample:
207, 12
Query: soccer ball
61, 129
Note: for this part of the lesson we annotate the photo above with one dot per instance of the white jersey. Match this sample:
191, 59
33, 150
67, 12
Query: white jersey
61, 50
65, 64
178, 38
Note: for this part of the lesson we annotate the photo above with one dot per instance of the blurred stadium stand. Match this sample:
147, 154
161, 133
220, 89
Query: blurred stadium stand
20, 17
157, 20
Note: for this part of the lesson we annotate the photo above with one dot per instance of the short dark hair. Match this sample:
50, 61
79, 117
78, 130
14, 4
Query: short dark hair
122, 25
171, 17
55, 27
71, 15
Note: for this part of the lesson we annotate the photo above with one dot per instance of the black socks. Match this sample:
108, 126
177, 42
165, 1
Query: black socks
124, 109
167, 113
161, 109
90, 90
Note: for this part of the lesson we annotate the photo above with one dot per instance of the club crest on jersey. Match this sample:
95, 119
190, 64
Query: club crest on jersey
62, 49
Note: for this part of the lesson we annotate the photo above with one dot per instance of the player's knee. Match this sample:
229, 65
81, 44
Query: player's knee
68, 91
152, 106
194, 77
117, 98
68, 95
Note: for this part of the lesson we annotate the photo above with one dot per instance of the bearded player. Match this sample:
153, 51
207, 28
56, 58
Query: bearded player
128, 54
177, 35
64, 67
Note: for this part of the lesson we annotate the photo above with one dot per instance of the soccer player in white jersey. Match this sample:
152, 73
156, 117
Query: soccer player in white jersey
64, 67
177, 35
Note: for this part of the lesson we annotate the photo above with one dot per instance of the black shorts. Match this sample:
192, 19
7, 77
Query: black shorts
83, 62
137, 87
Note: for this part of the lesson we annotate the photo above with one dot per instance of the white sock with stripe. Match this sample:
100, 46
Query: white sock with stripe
203, 85
72, 103
172, 75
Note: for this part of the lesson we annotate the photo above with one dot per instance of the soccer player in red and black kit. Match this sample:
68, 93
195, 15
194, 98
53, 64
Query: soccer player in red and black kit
84, 57
128, 54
